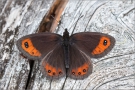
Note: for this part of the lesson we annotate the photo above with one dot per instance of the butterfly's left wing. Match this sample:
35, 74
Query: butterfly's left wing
80, 65
93, 44
52, 65
36, 46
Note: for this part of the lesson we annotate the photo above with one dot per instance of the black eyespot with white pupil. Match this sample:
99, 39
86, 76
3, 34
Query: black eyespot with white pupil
79, 73
84, 70
73, 73
26, 44
105, 42
49, 71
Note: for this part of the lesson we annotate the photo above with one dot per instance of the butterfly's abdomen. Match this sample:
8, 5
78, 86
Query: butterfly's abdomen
66, 55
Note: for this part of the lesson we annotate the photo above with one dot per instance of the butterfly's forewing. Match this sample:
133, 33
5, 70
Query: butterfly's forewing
36, 46
93, 44
80, 65
52, 64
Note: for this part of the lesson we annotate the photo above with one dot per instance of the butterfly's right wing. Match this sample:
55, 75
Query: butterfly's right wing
52, 65
94, 44
80, 65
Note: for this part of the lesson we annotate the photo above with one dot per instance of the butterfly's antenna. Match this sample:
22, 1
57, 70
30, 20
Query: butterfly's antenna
57, 21
76, 21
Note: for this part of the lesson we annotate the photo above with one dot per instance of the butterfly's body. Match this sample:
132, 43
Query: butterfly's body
73, 52
66, 47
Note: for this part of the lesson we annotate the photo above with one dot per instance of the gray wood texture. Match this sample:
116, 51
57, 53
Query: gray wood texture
114, 71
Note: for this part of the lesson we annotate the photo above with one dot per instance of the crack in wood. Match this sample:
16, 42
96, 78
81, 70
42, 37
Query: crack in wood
31, 63
52, 18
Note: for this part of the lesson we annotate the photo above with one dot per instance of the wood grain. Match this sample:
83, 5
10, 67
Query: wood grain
114, 71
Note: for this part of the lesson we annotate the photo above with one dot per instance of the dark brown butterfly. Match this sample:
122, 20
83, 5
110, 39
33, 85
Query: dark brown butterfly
66, 55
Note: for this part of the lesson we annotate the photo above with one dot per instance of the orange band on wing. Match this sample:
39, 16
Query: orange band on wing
29, 48
52, 71
102, 46
82, 70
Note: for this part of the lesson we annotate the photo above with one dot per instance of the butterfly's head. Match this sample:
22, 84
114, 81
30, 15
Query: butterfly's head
66, 34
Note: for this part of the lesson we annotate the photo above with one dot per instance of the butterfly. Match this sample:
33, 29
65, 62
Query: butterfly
66, 55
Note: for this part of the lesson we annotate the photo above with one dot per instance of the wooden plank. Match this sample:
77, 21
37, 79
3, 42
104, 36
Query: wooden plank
114, 71
18, 18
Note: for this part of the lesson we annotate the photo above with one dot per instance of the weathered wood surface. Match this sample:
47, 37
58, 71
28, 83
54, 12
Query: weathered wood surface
114, 71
